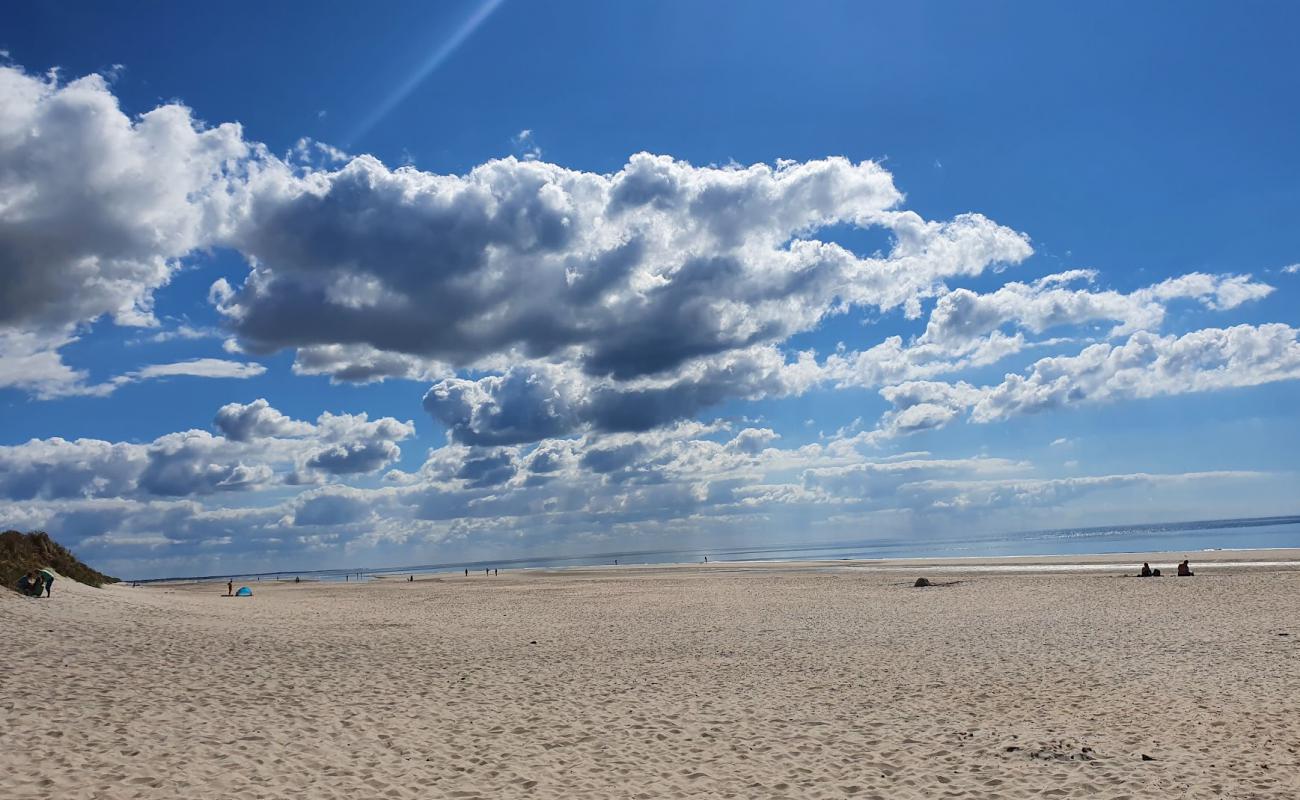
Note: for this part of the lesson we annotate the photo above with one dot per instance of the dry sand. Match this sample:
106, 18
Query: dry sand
720, 681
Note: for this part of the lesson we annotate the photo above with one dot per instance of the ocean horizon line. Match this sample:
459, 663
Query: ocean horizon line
1018, 544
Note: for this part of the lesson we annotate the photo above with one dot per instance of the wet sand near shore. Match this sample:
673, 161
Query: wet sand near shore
828, 679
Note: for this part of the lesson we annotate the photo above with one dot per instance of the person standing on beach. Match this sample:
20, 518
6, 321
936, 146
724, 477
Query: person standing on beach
230, 588
49, 581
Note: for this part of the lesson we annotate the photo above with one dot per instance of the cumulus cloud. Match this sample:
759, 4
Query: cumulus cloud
354, 443
197, 463
538, 401
97, 208
626, 275
1145, 365
540, 301
1148, 365
359, 363
332, 506
680, 479
242, 422
260, 447
962, 315
528, 403
57, 468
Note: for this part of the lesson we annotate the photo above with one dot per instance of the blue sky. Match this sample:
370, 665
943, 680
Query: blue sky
431, 225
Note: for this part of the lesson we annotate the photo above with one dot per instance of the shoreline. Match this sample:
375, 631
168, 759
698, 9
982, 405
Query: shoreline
1280, 558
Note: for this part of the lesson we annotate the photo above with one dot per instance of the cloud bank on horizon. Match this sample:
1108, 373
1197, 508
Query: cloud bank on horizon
574, 334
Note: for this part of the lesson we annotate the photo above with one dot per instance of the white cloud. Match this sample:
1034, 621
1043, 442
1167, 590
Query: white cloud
1291, 269
359, 363
581, 301
678, 481
526, 146
962, 315
624, 275
98, 208
261, 447
243, 422
198, 368
31, 361
1029, 492
184, 332
1146, 365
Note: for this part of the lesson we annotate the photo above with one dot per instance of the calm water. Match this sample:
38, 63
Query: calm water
1187, 537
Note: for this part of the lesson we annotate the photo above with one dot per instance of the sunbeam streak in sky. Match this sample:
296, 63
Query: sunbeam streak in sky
435, 60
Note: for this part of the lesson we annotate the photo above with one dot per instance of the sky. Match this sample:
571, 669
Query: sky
298, 286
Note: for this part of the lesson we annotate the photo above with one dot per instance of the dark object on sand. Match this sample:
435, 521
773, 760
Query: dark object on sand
922, 582
29, 586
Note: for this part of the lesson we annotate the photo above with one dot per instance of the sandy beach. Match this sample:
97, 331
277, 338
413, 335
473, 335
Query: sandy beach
759, 680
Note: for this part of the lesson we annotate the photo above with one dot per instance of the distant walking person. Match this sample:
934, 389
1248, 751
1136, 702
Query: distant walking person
1185, 571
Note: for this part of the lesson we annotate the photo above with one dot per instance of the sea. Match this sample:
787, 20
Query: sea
1251, 533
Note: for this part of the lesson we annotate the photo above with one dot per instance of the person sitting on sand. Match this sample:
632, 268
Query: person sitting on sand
26, 585
1146, 570
1184, 571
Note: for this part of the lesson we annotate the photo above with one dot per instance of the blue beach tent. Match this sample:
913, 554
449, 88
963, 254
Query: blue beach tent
244, 591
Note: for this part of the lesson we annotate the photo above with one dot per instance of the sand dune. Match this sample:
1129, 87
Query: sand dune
757, 682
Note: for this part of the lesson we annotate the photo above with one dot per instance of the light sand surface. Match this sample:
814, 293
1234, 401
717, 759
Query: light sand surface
718, 681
